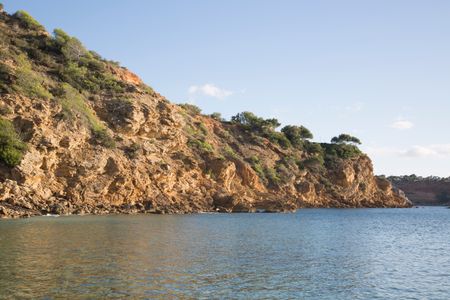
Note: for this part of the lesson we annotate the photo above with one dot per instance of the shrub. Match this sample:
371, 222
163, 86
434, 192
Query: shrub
102, 137
147, 89
216, 116
257, 166
27, 81
283, 172
203, 146
74, 104
28, 21
203, 129
191, 109
229, 152
5, 77
313, 148
83, 78
5, 110
76, 76
132, 150
272, 176
315, 163
12, 147
278, 138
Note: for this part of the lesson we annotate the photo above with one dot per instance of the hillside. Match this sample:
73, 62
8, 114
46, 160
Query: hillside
80, 134
424, 190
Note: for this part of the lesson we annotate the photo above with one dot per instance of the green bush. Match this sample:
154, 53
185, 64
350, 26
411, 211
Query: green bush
102, 137
5, 110
272, 176
132, 150
70, 47
229, 152
191, 109
313, 148
147, 89
216, 116
27, 81
343, 151
278, 138
27, 20
74, 105
315, 163
198, 144
203, 129
12, 147
5, 77
283, 172
83, 78
255, 162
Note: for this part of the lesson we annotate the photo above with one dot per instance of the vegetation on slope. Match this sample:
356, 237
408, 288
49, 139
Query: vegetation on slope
12, 147
59, 68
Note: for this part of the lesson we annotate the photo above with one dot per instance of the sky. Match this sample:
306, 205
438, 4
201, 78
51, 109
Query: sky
379, 70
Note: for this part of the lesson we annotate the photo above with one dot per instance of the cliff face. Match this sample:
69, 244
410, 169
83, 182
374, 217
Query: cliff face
97, 140
424, 191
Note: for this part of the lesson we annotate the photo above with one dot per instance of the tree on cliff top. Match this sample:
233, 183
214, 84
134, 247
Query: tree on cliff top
297, 134
253, 122
345, 139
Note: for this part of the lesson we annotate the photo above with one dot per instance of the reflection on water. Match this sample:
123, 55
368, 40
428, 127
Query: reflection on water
328, 254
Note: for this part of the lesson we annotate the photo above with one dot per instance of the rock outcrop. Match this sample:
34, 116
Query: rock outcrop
433, 191
100, 141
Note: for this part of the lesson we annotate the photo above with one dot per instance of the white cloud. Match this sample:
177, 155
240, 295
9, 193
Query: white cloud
209, 90
402, 125
435, 150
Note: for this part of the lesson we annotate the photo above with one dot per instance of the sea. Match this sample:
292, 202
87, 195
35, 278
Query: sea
311, 254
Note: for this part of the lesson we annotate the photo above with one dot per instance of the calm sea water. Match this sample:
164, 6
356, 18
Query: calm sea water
313, 254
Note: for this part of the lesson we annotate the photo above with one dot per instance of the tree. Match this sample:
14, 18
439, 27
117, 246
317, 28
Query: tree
71, 47
297, 134
345, 139
253, 122
216, 116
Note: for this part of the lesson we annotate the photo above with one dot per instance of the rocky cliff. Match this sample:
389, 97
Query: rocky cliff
424, 190
82, 135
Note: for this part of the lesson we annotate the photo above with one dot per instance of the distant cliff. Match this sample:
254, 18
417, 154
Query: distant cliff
82, 135
424, 190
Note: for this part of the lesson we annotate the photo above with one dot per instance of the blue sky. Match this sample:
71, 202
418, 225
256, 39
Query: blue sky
377, 69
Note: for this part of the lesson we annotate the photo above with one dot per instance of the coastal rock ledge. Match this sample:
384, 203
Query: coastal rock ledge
82, 135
